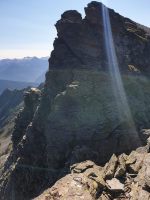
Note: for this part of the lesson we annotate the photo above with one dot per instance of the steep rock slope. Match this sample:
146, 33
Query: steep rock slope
10, 104
77, 118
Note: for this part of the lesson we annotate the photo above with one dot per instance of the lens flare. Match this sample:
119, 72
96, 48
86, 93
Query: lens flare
116, 79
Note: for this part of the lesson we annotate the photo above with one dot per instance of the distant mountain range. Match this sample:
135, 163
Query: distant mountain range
28, 69
20, 73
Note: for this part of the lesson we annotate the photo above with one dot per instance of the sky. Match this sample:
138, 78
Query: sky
27, 26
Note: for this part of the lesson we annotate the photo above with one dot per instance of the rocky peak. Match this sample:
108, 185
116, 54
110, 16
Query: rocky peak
72, 16
81, 41
25, 116
93, 12
32, 97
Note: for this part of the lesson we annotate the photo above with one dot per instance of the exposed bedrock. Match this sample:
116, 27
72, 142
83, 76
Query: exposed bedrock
123, 177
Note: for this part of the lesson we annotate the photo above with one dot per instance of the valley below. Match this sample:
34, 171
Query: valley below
22, 73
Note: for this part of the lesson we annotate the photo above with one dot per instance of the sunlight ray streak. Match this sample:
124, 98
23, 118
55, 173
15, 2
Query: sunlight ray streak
117, 84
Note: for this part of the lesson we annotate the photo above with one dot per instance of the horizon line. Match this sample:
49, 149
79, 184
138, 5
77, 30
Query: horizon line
23, 57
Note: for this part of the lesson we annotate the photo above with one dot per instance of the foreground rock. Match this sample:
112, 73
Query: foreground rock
89, 181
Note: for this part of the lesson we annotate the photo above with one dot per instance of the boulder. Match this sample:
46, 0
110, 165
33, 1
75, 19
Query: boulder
134, 162
110, 167
121, 168
114, 185
81, 167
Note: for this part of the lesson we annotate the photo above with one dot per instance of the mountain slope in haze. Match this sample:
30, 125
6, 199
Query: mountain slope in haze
23, 70
9, 100
7, 84
10, 104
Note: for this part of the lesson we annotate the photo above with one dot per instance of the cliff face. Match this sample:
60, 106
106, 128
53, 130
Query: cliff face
80, 42
78, 118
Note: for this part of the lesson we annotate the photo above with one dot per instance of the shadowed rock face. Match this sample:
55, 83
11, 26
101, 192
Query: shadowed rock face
77, 118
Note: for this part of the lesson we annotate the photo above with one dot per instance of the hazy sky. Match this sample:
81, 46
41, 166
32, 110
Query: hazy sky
27, 26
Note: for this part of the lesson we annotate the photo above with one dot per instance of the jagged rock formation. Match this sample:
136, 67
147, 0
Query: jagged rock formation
77, 118
80, 42
14, 117
31, 101
23, 122
123, 177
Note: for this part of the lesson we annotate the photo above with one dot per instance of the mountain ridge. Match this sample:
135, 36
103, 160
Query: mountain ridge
7, 84
24, 70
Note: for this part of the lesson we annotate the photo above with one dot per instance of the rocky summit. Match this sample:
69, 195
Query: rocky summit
76, 125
